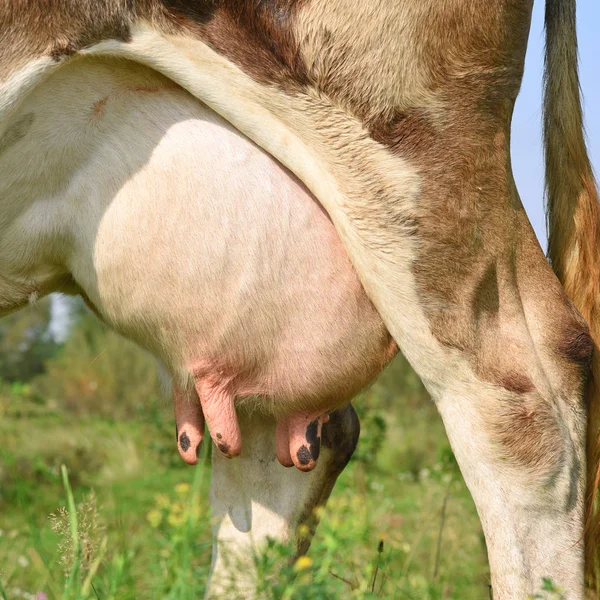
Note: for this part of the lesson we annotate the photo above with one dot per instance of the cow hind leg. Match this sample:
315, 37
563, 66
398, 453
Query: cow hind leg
254, 498
512, 366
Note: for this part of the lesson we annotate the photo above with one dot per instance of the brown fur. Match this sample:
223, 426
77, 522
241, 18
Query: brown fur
577, 346
574, 228
528, 432
58, 28
256, 36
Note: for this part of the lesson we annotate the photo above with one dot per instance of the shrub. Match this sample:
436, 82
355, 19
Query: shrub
98, 372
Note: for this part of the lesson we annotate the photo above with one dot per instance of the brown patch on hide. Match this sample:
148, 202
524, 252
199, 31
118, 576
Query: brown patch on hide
33, 29
527, 432
476, 48
61, 51
515, 382
573, 343
577, 345
487, 298
495, 357
256, 36
411, 133
199, 12
466, 219
475, 308
468, 224
497, 360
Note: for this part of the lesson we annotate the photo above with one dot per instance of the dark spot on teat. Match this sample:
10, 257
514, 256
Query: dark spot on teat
304, 455
184, 442
224, 448
312, 437
219, 436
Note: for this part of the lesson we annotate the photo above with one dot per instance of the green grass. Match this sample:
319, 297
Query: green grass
400, 523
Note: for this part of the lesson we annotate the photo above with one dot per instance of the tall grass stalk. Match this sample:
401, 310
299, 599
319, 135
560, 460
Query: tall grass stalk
73, 583
2, 592
85, 590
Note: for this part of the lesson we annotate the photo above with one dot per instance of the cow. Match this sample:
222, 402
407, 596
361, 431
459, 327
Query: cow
396, 116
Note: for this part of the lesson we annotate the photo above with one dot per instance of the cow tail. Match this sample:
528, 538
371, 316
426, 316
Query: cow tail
573, 215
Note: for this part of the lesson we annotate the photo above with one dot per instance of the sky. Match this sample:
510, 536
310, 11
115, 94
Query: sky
526, 143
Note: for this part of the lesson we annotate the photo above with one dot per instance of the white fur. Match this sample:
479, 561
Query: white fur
14, 89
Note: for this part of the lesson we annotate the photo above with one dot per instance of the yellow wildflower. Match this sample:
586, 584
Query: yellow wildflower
154, 518
303, 530
162, 500
177, 508
303, 562
176, 519
182, 488
319, 511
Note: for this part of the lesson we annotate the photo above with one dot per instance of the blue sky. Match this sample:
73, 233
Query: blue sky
527, 157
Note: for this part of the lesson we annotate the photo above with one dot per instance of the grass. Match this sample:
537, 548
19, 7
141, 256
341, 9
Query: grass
400, 523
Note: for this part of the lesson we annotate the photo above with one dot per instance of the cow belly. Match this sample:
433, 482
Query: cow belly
191, 240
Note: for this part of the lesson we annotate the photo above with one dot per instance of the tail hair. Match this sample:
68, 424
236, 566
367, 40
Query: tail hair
573, 216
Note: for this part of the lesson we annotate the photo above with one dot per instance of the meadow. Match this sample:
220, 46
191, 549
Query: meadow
400, 522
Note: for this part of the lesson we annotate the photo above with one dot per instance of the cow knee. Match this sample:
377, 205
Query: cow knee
538, 417
528, 431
